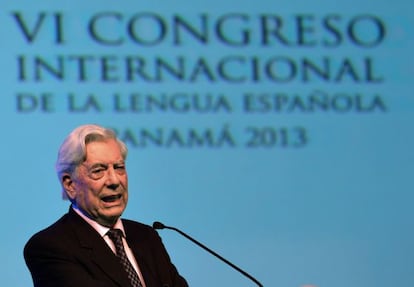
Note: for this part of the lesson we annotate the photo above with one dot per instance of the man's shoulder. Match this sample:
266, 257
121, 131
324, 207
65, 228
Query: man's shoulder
136, 225
138, 229
56, 227
50, 237
59, 232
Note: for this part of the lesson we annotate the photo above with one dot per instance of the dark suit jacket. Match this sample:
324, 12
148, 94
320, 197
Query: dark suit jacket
70, 253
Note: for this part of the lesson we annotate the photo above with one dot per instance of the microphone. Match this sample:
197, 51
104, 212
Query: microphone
159, 225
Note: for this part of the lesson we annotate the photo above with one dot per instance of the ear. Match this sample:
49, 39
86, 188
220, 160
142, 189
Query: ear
69, 185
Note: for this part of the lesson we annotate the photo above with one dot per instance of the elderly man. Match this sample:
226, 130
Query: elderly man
91, 245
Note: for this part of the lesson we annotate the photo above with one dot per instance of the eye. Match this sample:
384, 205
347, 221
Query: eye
97, 172
119, 168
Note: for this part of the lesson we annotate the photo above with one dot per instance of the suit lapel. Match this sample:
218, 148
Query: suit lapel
99, 252
141, 249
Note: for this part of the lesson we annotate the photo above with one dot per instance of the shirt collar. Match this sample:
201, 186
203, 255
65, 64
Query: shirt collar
102, 230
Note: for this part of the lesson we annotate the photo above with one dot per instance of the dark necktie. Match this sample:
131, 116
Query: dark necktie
116, 236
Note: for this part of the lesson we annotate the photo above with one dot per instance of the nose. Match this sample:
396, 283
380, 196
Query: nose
112, 178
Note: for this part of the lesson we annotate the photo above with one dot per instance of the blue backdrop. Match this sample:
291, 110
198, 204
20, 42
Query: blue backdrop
277, 133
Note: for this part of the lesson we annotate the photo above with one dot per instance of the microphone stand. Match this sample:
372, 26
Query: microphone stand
159, 225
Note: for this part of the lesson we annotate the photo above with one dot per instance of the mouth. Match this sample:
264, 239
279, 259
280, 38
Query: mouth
111, 198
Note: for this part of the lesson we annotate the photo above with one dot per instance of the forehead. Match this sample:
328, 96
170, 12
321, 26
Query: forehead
103, 151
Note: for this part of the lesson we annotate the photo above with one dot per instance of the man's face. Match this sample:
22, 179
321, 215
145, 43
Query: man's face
99, 186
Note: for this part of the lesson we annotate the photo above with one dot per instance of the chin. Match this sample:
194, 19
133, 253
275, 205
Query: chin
112, 212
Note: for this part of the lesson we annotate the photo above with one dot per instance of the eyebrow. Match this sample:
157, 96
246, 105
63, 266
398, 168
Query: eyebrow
106, 164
